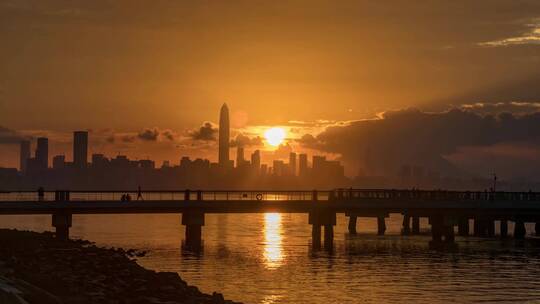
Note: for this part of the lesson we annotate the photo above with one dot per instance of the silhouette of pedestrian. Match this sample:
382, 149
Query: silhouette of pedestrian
128, 197
139, 194
123, 198
41, 194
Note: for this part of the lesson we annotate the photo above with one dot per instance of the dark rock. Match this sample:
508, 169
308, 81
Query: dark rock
79, 272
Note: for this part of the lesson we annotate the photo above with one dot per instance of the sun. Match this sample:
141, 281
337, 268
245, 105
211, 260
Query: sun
274, 136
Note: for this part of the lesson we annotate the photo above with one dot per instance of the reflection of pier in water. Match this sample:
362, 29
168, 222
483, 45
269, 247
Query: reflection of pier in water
444, 209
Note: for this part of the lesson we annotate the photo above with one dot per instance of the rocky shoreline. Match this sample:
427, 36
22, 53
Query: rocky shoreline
37, 268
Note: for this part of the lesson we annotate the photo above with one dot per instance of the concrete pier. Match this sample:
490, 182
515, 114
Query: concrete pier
445, 209
62, 223
381, 225
193, 220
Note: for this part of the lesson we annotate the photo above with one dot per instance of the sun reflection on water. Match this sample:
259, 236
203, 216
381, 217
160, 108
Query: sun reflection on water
273, 253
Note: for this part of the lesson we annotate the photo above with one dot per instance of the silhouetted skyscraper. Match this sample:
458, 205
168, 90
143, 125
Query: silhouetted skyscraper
239, 156
292, 163
24, 155
302, 165
42, 153
80, 149
256, 160
224, 136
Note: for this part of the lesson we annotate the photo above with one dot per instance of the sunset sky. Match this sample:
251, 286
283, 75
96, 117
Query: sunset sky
341, 77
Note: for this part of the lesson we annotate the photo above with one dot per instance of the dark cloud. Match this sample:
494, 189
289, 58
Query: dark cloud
207, 132
168, 134
8, 136
246, 141
149, 134
308, 140
413, 137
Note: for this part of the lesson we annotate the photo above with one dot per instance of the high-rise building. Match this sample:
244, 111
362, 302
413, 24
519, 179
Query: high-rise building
24, 155
256, 160
42, 153
318, 163
302, 164
59, 162
239, 156
277, 168
80, 149
224, 136
292, 164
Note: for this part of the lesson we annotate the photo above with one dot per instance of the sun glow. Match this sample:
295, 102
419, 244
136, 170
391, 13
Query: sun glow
274, 136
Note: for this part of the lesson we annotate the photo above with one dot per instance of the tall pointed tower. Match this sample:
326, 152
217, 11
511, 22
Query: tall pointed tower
224, 136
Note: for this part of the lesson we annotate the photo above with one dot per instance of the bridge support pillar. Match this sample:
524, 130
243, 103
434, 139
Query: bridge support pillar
318, 219
193, 220
415, 225
62, 223
406, 230
381, 225
352, 224
481, 227
329, 236
504, 228
442, 227
519, 229
463, 227
316, 236
436, 229
490, 227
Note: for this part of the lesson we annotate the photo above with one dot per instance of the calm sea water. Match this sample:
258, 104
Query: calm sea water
267, 258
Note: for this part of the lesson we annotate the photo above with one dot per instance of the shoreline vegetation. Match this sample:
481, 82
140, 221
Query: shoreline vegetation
38, 268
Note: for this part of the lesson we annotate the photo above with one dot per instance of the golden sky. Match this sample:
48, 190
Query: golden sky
124, 66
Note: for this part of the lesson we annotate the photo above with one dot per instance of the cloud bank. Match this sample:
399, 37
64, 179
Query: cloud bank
412, 137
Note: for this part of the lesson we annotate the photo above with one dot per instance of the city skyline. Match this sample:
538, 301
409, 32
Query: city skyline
80, 147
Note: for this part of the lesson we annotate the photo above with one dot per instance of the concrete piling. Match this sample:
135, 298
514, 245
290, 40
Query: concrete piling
352, 224
381, 225
406, 230
317, 219
504, 228
463, 227
415, 225
519, 229
62, 222
193, 220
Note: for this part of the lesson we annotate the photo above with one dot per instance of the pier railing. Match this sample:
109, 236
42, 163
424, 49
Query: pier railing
266, 195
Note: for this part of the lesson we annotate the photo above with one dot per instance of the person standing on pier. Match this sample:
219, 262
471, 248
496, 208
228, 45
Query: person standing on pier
139, 194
